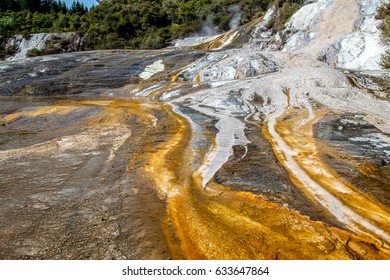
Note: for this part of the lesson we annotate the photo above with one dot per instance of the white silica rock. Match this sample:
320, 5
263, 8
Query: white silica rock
261, 27
362, 49
369, 9
193, 41
170, 95
26, 43
301, 22
152, 69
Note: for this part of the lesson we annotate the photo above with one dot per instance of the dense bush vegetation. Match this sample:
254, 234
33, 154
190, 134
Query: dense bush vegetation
135, 23
34, 16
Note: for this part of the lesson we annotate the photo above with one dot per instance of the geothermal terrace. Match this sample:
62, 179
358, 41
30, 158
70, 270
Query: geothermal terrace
235, 151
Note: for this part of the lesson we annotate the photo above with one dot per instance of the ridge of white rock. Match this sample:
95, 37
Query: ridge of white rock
225, 106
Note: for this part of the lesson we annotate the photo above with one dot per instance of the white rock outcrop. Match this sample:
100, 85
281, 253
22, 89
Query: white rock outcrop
344, 40
39, 41
301, 24
25, 43
362, 49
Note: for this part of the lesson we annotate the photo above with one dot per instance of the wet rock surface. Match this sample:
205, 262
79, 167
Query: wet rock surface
366, 153
68, 196
112, 172
82, 73
260, 172
377, 83
23, 132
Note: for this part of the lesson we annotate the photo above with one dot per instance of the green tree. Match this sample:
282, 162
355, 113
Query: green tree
9, 5
61, 23
78, 8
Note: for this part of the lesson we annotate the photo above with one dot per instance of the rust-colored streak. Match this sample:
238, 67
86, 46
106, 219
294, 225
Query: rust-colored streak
217, 223
44, 110
223, 224
296, 131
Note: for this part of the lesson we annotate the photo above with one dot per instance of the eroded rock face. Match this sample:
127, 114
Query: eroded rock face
222, 154
355, 41
301, 24
362, 49
46, 43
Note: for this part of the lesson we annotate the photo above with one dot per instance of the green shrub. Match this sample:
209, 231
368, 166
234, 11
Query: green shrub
34, 52
284, 12
385, 62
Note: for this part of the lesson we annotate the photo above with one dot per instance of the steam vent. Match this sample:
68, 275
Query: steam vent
255, 143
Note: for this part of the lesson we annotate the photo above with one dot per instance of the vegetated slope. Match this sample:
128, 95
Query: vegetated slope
135, 23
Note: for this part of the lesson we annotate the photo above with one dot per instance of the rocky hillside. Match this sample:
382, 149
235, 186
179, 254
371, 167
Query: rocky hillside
351, 39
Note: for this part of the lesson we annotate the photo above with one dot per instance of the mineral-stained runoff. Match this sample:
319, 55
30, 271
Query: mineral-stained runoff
193, 154
214, 173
